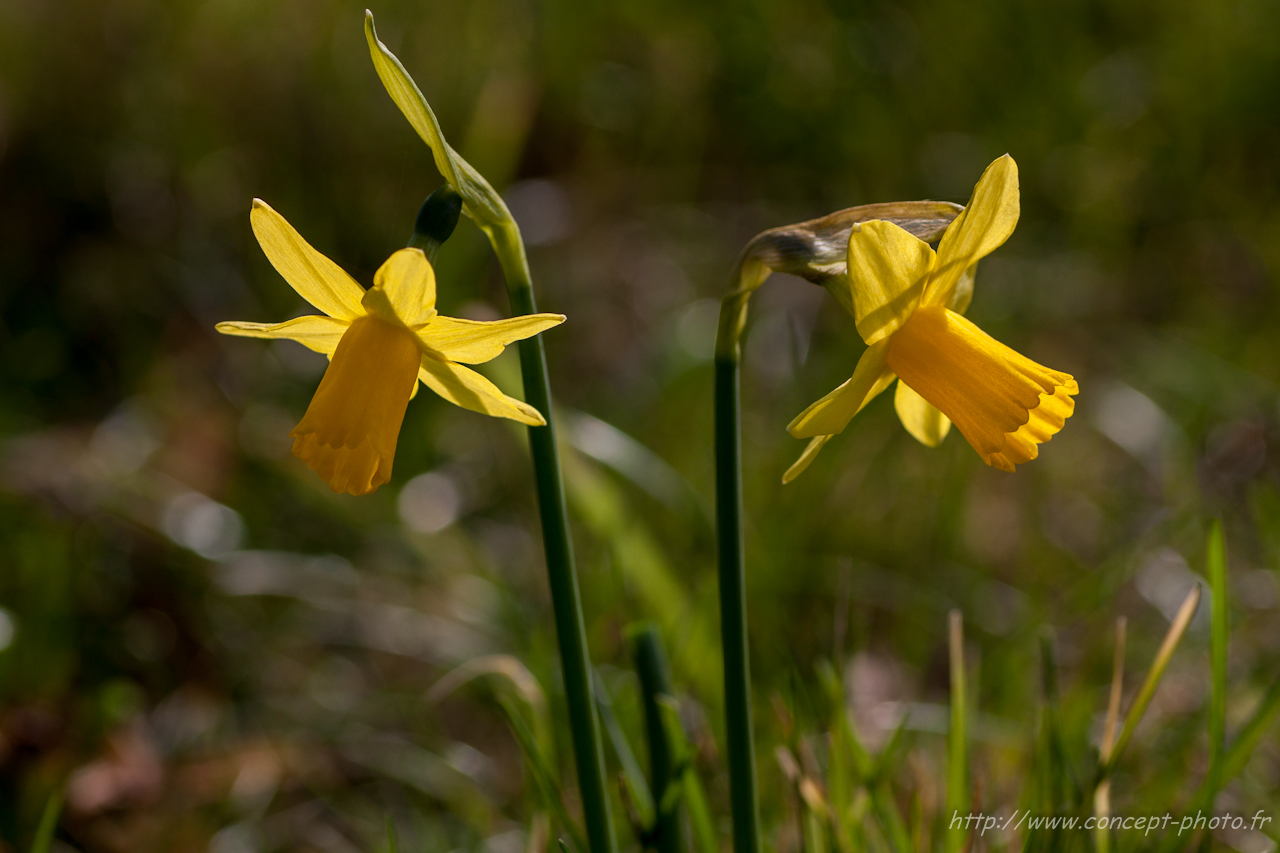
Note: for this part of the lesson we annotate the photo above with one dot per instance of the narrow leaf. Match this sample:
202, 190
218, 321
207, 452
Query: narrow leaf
48, 823
1158, 666
957, 738
637, 785
1216, 566
544, 777
690, 787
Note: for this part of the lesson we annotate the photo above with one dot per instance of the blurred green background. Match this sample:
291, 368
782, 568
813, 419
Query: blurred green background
219, 654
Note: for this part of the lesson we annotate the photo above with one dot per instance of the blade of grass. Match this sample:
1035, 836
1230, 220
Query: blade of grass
512, 672
815, 835
393, 842
655, 681
957, 738
882, 802
48, 823
1152, 681
841, 724
1242, 749
685, 783
888, 817
1238, 756
637, 785
1102, 795
539, 837
1216, 566
841, 772
1067, 788
544, 776
1216, 569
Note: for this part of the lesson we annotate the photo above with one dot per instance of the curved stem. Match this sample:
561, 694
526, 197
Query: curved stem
731, 562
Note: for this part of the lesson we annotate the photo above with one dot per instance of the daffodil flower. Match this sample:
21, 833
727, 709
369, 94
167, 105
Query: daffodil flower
908, 303
381, 343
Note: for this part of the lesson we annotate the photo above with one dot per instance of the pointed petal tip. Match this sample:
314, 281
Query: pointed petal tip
531, 416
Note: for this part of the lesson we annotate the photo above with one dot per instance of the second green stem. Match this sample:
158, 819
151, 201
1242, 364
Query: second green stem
733, 608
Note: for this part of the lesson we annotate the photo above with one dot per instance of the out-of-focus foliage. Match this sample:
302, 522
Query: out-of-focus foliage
214, 652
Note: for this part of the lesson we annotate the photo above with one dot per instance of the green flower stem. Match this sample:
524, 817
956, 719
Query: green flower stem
743, 796
733, 609
566, 602
814, 250
486, 208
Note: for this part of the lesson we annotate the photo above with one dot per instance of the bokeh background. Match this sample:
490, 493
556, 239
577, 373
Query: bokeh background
219, 654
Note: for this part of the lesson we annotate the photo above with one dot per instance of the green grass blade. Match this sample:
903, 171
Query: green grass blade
1236, 757
48, 823
842, 726
815, 832
393, 841
1158, 667
1063, 785
890, 820
882, 802
957, 738
1102, 794
686, 784
1242, 749
544, 777
1216, 566
637, 785
842, 772
655, 681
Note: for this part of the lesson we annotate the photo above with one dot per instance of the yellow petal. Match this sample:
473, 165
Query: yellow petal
408, 282
1044, 422
921, 418
313, 331
833, 412
478, 341
316, 278
349, 433
888, 269
1003, 403
987, 221
962, 293
468, 389
810, 453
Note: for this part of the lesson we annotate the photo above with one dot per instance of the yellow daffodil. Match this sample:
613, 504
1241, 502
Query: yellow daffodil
381, 343
908, 303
